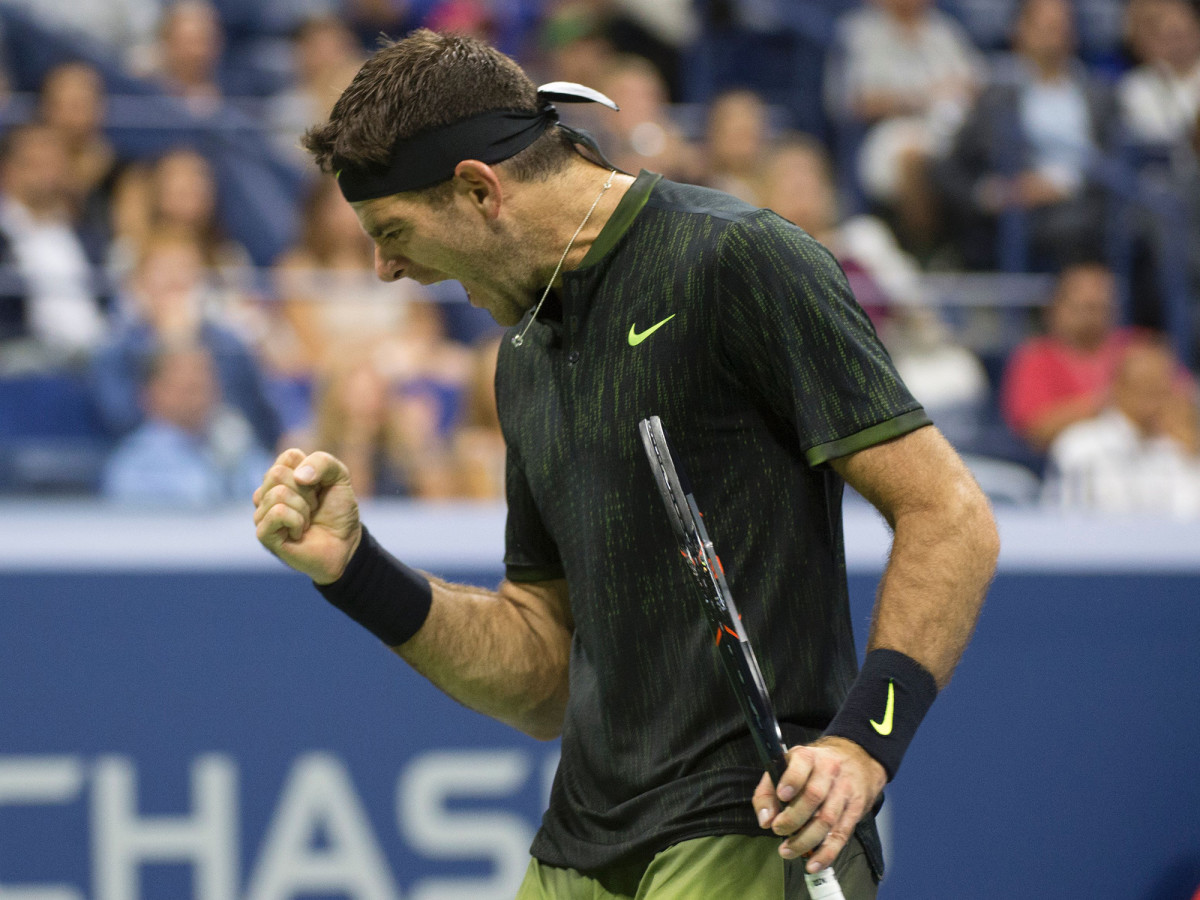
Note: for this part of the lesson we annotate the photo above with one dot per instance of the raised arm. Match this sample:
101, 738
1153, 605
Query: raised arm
503, 652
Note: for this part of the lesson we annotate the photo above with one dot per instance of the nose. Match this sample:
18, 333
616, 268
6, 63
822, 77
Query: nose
388, 268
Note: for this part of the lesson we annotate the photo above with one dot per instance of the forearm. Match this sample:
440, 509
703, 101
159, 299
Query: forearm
503, 653
942, 560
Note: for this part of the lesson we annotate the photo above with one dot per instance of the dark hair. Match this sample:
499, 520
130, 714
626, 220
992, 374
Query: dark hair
424, 81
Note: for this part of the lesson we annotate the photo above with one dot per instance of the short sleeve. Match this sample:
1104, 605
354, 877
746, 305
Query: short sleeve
793, 334
530, 554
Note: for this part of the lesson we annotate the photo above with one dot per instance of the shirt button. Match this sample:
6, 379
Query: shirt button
572, 357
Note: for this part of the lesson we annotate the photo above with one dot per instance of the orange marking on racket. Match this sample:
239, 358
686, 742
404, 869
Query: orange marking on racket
723, 629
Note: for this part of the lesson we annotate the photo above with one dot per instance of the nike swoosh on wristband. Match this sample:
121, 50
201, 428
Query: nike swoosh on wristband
635, 338
885, 727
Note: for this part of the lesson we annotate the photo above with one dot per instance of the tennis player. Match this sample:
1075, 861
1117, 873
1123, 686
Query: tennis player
631, 296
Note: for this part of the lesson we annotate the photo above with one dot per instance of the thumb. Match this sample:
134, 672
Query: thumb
764, 801
321, 469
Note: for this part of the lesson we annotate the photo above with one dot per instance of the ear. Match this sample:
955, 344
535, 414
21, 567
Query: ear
479, 184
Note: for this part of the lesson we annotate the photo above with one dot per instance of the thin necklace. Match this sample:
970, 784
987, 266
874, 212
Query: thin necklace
519, 339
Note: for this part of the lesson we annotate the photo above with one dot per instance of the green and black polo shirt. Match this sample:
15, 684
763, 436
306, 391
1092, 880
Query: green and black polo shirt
741, 333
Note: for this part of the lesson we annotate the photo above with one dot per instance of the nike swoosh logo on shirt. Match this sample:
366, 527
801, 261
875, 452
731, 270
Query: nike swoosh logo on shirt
636, 338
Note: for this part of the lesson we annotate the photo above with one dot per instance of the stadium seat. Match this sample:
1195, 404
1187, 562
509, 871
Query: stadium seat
50, 439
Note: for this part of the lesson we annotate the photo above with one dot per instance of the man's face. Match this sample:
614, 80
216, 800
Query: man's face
1174, 35
184, 391
36, 171
429, 242
1142, 387
1046, 30
1083, 310
73, 99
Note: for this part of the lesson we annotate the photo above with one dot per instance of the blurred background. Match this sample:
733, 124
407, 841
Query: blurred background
1013, 190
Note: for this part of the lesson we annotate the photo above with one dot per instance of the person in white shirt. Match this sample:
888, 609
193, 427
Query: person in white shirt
1140, 455
55, 301
1160, 99
907, 74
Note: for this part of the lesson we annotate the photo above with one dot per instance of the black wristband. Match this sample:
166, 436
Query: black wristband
381, 593
885, 705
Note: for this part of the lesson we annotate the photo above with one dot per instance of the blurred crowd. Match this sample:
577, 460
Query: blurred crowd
990, 137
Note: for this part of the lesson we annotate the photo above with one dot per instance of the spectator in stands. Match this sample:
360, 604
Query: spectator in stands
736, 143
1026, 148
1063, 377
903, 73
355, 413
1141, 453
177, 196
479, 448
393, 405
572, 45
429, 374
49, 300
946, 377
1164, 226
190, 450
1161, 97
121, 29
187, 56
659, 32
165, 305
330, 302
643, 135
71, 100
325, 56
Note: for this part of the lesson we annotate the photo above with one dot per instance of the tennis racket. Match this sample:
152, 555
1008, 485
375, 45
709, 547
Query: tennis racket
737, 656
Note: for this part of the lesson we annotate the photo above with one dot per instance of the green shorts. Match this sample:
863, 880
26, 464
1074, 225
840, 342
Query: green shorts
722, 867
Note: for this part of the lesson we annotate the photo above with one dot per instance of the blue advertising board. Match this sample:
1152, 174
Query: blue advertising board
183, 719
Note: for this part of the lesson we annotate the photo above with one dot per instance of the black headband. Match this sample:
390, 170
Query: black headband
430, 157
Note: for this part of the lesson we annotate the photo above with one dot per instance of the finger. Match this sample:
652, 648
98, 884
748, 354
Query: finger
282, 471
272, 534
284, 523
290, 457
814, 793
321, 469
286, 496
817, 831
766, 805
837, 838
799, 767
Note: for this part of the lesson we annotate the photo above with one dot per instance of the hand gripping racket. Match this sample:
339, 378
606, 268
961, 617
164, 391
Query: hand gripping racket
737, 656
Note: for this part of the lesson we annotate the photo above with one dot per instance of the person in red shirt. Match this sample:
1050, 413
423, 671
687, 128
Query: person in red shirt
1063, 376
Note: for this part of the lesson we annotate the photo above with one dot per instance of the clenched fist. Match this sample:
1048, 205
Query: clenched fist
307, 515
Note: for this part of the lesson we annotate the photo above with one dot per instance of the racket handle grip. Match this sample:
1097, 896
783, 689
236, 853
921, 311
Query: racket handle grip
823, 885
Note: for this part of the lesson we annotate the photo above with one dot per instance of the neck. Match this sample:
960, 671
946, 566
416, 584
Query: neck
577, 243
560, 211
